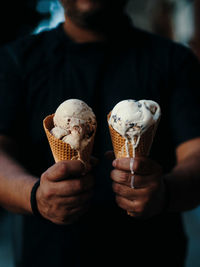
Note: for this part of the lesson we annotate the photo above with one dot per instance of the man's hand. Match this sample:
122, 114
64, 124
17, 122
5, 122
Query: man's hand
64, 192
147, 197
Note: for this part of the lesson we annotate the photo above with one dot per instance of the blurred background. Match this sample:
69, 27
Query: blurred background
175, 19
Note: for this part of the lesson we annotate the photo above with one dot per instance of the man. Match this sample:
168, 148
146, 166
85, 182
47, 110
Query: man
81, 218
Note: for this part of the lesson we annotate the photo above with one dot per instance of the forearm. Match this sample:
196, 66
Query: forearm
183, 185
15, 185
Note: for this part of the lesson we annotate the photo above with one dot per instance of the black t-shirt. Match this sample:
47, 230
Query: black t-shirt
37, 73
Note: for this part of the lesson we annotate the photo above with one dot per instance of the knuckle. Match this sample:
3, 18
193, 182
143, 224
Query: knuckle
48, 192
116, 188
112, 174
71, 188
116, 165
119, 175
44, 176
119, 163
124, 176
62, 167
56, 205
118, 200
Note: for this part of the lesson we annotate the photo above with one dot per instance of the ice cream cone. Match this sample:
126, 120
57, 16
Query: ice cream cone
143, 148
63, 151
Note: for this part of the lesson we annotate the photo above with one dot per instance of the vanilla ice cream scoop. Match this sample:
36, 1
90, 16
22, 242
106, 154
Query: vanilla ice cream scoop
74, 123
73, 112
131, 118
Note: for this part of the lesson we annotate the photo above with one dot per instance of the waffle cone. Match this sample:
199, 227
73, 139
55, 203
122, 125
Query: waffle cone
143, 148
63, 151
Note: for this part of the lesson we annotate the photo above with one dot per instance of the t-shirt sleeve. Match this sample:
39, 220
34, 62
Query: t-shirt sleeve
11, 92
185, 96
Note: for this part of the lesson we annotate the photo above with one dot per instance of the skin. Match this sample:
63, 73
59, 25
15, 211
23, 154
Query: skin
65, 192
63, 195
85, 13
148, 198
91, 20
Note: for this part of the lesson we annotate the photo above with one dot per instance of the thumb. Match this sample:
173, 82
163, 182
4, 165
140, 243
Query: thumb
63, 170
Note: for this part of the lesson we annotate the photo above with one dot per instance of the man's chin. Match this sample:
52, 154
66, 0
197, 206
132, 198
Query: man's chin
93, 14
87, 5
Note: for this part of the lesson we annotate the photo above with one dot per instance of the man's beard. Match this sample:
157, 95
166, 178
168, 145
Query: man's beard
103, 17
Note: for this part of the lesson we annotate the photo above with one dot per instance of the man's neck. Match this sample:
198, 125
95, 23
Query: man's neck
81, 35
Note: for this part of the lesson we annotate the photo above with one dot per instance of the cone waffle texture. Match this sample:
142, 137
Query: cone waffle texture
119, 142
63, 151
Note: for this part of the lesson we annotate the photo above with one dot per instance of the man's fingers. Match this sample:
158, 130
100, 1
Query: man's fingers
72, 187
128, 205
64, 169
72, 215
129, 193
77, 211
125, 178
78, 200
142, 165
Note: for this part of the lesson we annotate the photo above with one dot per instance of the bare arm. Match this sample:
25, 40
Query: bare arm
64, 193
15, 182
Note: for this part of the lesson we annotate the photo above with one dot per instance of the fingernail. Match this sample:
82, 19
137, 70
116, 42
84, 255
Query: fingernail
114, 163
